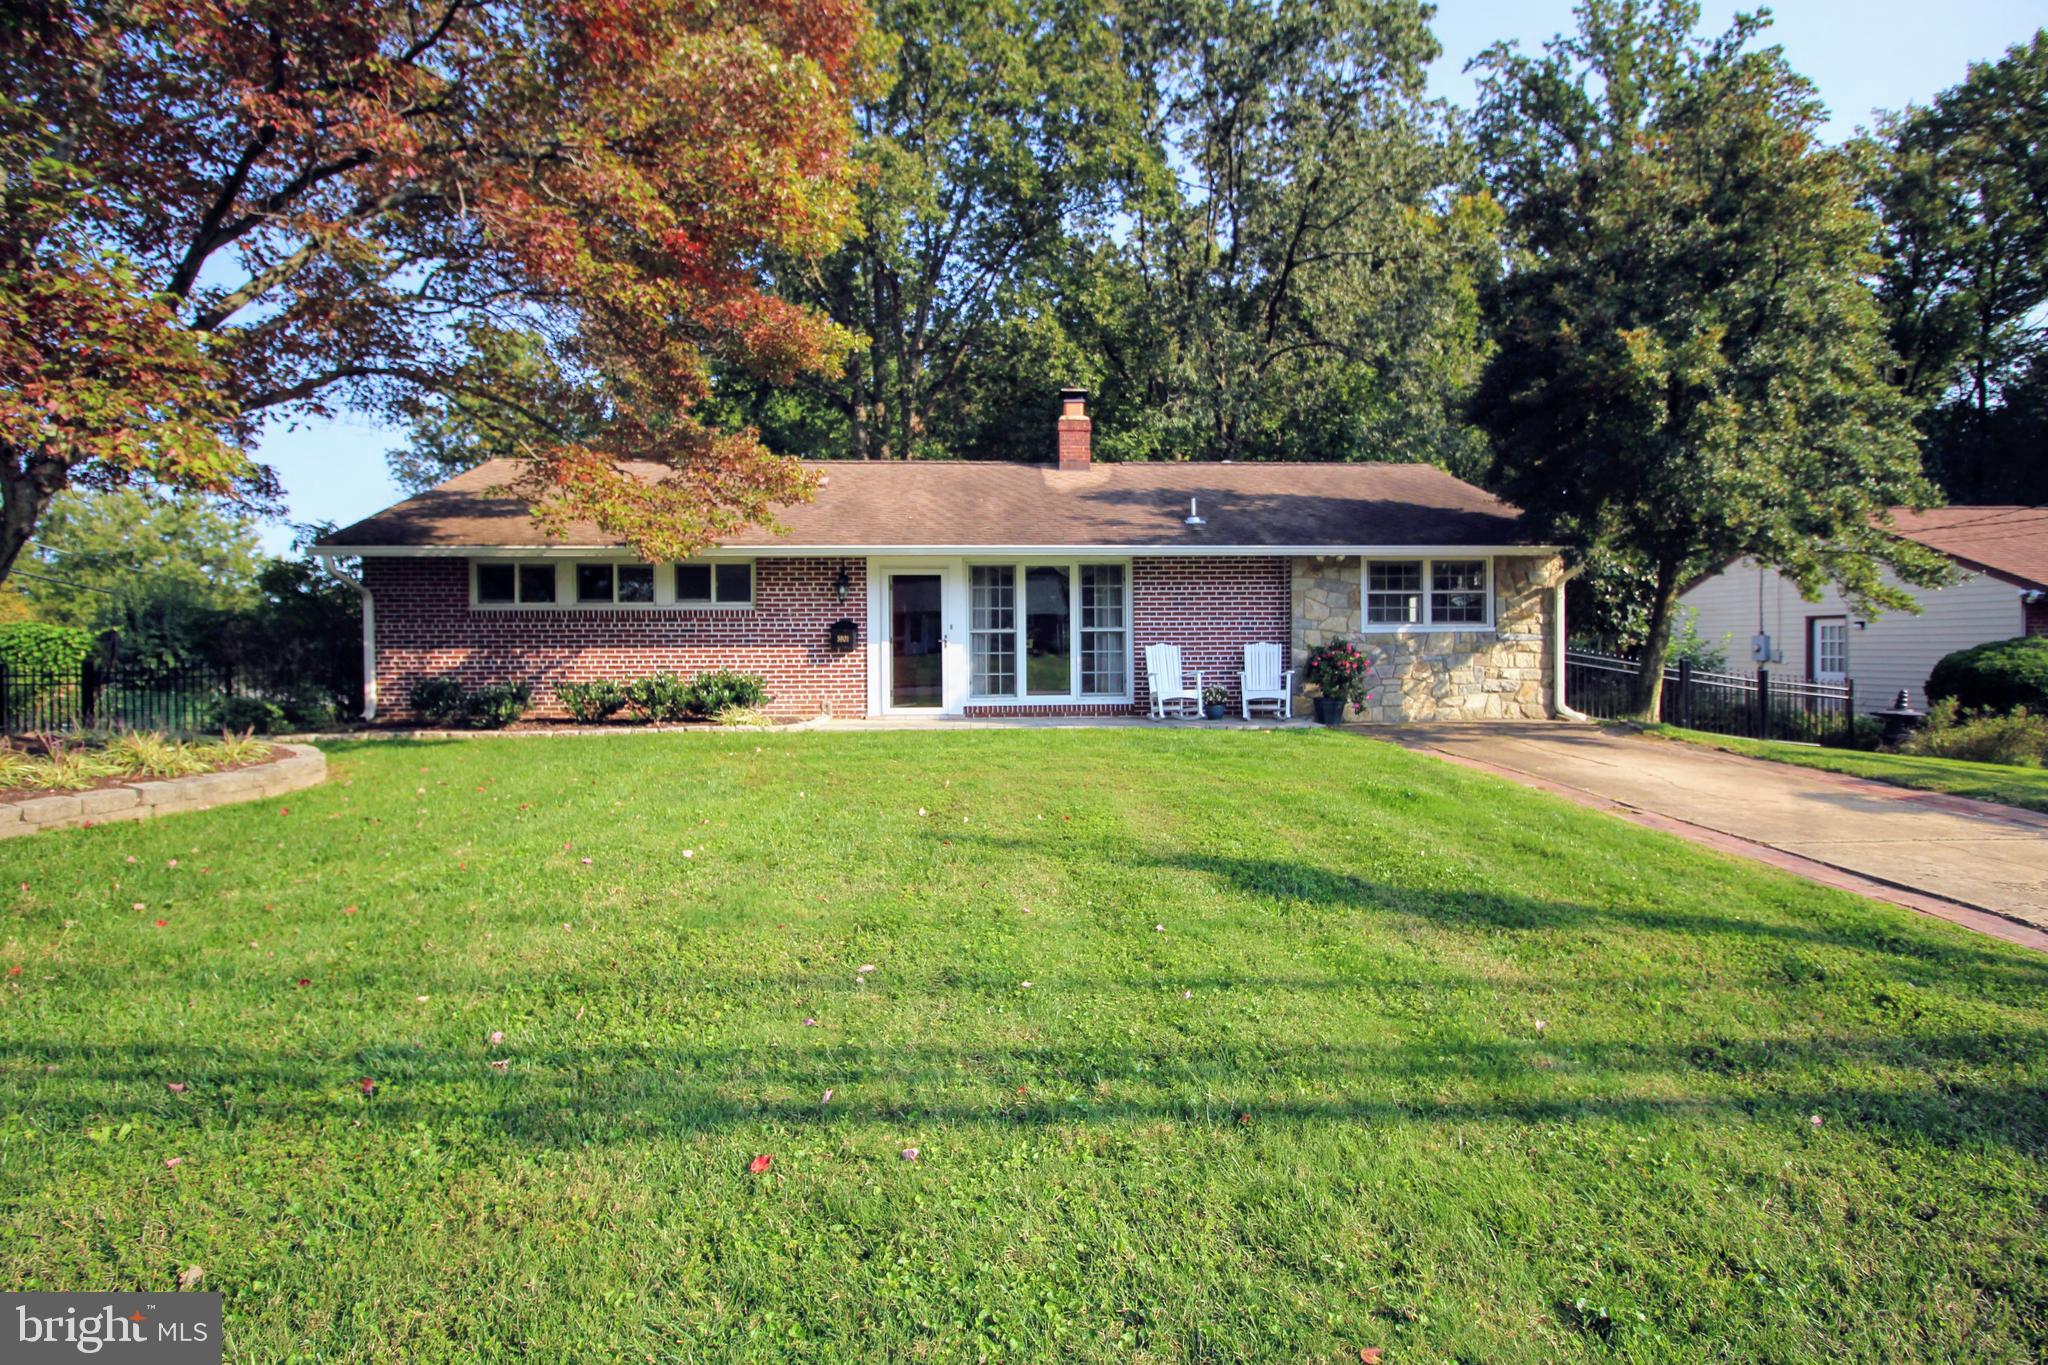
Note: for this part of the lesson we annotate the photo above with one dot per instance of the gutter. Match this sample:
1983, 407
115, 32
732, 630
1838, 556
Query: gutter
331, 563
1557, 647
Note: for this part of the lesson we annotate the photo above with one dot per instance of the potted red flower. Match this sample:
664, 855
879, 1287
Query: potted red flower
1338, 672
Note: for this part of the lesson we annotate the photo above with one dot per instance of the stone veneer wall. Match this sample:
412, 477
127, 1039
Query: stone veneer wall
1502, 674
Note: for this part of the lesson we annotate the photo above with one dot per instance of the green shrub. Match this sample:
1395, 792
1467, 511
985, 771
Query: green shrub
438, 701
663, 696
232, 748
1994, 677
592, 702
148, 754
15, 766
39, 647
497, 705
721, 689
70, 767
1865, 733
246, 713
310, 706
2019, 737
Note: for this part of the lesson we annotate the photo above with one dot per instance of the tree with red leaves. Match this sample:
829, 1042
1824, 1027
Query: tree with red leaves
217, 212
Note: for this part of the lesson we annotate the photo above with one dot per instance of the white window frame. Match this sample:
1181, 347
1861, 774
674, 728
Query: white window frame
577, 567
564, 569
1428, 621
518, 602
714, 602
1073, 696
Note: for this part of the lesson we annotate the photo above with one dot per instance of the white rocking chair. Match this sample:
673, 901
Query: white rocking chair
1263, 682
1168, 683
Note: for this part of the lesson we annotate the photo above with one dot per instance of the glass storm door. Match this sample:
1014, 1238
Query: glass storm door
917, 657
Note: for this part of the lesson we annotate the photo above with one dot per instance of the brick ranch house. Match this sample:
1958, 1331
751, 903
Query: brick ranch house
976, 589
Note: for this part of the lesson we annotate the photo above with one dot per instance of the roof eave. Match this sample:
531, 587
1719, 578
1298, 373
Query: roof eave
790, 551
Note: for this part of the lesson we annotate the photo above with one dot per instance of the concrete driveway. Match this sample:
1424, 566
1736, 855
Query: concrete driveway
1937, 853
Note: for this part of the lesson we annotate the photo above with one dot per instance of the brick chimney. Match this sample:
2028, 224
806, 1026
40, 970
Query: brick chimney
1077, 438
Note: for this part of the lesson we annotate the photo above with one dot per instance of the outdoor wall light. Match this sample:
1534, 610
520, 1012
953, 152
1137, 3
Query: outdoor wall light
841, 584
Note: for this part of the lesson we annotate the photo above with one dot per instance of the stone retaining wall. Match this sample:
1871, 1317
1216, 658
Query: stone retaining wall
302, 766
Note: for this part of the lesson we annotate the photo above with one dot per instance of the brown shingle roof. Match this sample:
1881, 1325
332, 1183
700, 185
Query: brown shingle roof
929, 503
2007, 542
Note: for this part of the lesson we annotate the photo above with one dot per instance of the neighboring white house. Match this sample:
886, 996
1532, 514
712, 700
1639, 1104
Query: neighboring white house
2003, 550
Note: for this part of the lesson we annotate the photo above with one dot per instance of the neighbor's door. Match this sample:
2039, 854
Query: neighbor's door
917, 640
1829, 661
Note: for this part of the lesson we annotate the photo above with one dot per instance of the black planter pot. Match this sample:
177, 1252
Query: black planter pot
1329, 710
1215, 710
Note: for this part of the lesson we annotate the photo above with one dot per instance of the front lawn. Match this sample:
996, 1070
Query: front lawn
2001, 782
1212, 1045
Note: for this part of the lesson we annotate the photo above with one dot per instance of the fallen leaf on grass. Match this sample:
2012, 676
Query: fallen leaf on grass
1368, 1355
367, 1086
501, 1063
497, 1036
827, 1098
172, 1163
909, 1154
190, 1276
305, 981
175, 1087
163, 924
760, 1164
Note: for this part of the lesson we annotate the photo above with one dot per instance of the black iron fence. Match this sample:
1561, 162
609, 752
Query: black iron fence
1762, 705
123, 696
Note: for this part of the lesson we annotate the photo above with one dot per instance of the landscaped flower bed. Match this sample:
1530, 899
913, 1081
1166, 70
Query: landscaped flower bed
720, 697
40, 765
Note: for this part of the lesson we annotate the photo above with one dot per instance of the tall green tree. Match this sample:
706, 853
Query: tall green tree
155, 568
1690, 367
1006, 126
1962, 187
1304, 285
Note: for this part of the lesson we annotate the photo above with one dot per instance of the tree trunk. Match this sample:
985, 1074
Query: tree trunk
26, 486
1647, 697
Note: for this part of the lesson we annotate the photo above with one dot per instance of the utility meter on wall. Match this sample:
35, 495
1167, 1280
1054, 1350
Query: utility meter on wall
1760, 651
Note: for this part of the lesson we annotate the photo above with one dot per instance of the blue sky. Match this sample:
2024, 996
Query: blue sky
1864, 55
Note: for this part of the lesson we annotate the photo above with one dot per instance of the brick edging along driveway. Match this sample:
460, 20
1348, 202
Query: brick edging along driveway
302, 766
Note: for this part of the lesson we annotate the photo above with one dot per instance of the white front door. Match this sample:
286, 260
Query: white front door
1830, 649
916, 619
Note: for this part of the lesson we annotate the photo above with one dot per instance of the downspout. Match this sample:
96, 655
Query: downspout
1563, 711
332, 565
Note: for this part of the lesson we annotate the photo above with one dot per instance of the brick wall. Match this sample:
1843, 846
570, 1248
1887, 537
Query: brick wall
1212, 609
426, 628
2037, 616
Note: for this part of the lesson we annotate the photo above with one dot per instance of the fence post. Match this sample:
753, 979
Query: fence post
1685, 692
88, 691
1763, 703
1849, 713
